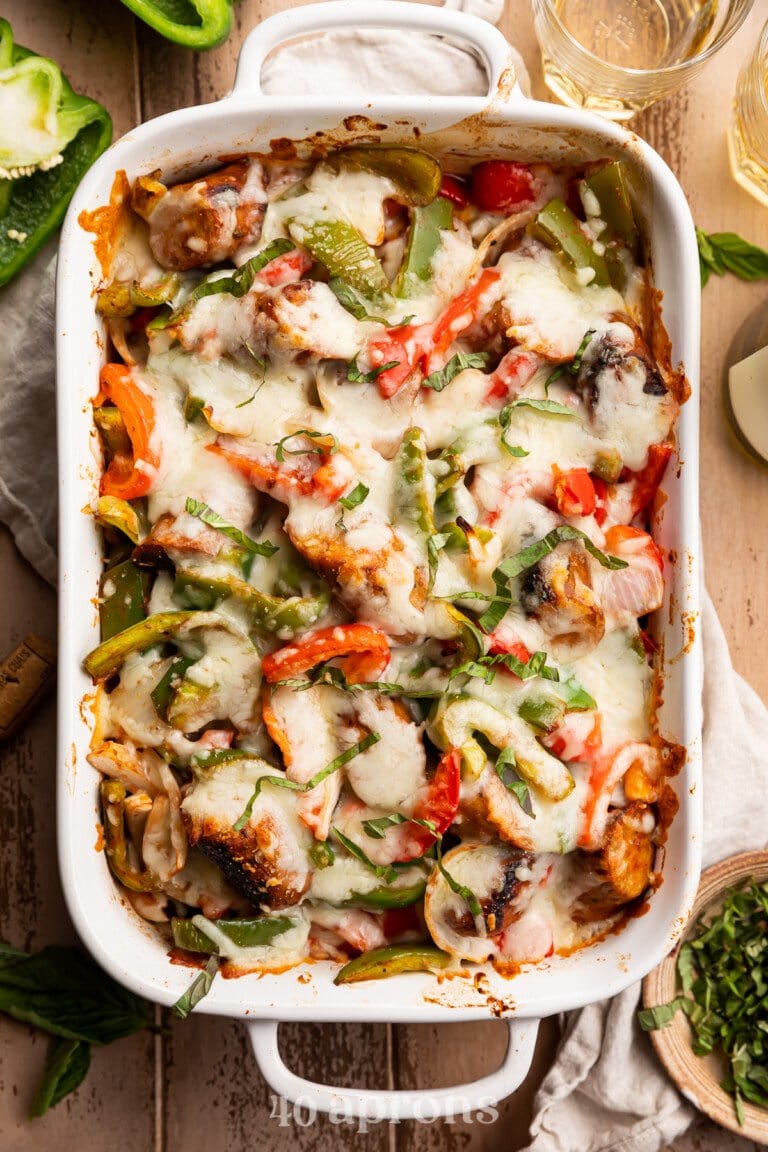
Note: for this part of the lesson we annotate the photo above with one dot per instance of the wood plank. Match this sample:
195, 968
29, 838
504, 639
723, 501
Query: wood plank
94, 45
214, 1091
32, 914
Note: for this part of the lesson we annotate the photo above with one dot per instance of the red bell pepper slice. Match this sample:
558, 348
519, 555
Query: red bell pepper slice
439, 805
366, 650
502, 185
647, 480
455, 190
286, 269
575, 493
425, 346
125, 477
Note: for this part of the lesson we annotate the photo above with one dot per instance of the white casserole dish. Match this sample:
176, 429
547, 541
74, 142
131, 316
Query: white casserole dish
504, 124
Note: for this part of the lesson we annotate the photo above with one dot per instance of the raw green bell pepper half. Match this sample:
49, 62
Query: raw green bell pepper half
197, 24
49, 137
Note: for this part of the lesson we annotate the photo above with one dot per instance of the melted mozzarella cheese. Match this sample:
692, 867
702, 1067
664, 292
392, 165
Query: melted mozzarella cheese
548, 314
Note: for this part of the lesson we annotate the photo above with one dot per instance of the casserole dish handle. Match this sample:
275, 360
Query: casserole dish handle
385, 1104
487, 41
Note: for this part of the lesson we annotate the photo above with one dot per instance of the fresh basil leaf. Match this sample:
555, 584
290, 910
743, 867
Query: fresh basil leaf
722, 252
355, 376
327, 445
64, 992
443, 376
356, 497
531, 555
283, 781
385, 872
66, 1067
198, 989
212, 518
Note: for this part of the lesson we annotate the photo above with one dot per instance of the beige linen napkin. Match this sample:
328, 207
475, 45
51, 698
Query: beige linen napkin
606, 1089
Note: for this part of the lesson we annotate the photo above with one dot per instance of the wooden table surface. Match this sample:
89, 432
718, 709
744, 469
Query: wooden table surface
196, 1086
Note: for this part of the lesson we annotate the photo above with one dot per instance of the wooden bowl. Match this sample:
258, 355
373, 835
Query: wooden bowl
698, 1077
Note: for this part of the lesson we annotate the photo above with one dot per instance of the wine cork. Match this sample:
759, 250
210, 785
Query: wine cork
26, 674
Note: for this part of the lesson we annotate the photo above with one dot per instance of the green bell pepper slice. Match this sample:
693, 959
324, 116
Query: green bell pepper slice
416, 175
105, 660
41, 119
386, 896
243, 933
423, 242
339, 246
562, 232
454, 725
114, 436
115, 844
122, 599
269, 614
112, 512
124, 299
412, 500
391, 961
609, 185
197, 24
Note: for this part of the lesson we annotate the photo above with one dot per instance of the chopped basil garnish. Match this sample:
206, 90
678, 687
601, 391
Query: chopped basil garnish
328, 674
722, 972
376, 828
443, 376
531, 555
208, 516
355, 376
506, 770
504, 419
550, 406
483, 667
435, 543
575, 366
327, 445
466, 894
199, 988
357, 305
283, 781
356, 497
385, 872
241, 280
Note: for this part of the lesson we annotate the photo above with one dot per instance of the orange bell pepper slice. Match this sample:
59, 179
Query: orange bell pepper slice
311, 475
439, 805
366, 650
625, 541
125, 477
